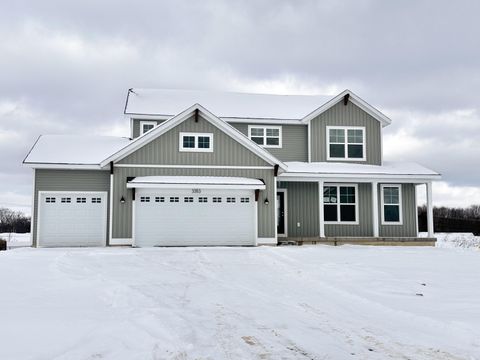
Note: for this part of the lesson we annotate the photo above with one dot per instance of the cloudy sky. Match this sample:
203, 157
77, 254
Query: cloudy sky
65, 67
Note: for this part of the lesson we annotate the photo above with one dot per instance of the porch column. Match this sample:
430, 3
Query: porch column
429, 209
375, 209
321, 222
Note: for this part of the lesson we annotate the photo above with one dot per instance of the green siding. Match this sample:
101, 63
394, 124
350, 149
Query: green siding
349, 115
165, 149
294, 142
409, 224
68, 180
122, 213
136, 126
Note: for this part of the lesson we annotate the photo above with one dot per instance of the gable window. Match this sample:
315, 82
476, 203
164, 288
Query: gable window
201, 142
146, 126
346, 143
266, 136
391, 204
340, 204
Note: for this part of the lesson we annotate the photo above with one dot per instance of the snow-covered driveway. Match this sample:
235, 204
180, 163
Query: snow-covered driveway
311, 302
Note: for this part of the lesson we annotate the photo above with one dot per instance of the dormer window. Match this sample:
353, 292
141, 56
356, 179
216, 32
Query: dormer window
146, 126
346, 143
200, 142
266, 136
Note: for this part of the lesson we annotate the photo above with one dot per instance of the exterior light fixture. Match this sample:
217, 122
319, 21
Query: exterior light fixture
266, 202
122, 200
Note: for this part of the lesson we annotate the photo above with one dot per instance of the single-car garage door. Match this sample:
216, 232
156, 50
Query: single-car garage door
72, 218
203, 217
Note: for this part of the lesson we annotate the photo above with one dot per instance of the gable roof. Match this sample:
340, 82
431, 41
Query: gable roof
234, 106
184, 115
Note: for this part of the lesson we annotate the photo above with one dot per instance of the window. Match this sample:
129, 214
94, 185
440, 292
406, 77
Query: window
96, 200
202, 199
49, 199
196, 142
188, 199
66, 200
391, 204
346, 143
230, 200
340, 204
174, 199
244, 199
146, 126
144, 198
159, 199
217, 199
81, 200
266, 136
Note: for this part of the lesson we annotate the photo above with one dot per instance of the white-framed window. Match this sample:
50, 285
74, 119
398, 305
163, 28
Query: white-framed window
340, 204
202, 199
188, 199
244, 199
159, 199
81, 200
146, 126
391, 202
144, 198
217, 199
96, 200
346, 143
49, 199
66, 200
201, 142
174, 199
266, 136
231, 200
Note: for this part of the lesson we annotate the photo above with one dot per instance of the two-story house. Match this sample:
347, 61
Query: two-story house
213, 168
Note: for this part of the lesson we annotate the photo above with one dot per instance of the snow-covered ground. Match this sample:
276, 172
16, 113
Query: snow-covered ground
15, 240
458, 240
309, 302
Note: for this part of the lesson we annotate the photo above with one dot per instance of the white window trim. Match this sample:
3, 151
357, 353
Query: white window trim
154, 123
339, 222
265, 127
400, 210
196, 136
346, 128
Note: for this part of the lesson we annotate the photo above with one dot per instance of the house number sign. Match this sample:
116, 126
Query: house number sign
196, 191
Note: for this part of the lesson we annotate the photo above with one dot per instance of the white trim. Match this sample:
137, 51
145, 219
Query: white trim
264, 128
121, 241
255, 219
134, 116
110, 210
400, 207
262, 121
133, 220
267, 241
63, 166
309, 142
339, 222
141, 131
416, 208
193, 166
195, 136
32, 222
376, 228
197, 186
131, 128
104, 194
186, 114
285, 213
321, 219
430, 209
420, 179
355, 99
345, 144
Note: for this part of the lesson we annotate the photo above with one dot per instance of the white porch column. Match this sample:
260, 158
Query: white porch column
321, 222
429, 209
375, 209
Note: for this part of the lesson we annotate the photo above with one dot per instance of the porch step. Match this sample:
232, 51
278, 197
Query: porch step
380, 241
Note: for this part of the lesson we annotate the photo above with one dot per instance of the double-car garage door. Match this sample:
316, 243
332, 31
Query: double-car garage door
185, 217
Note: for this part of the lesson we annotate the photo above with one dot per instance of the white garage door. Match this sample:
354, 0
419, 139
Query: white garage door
204, 218
72, 219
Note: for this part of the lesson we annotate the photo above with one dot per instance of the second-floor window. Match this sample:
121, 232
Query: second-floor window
146, 126
201, 142
346, 143
266, 136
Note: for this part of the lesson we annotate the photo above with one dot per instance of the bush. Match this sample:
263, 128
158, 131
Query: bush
3, 244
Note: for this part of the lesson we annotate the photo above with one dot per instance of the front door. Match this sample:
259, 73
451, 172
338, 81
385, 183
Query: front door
281, 228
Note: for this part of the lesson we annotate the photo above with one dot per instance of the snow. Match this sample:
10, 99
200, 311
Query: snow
16, 240
224, 104
335, 168
456, 240
197, 180
74, 149
309, 302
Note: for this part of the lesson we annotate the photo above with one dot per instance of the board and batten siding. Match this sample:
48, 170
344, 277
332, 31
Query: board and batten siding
409, 223
68, 180
122, 213
346, 115
294, 141
136, 126
165, 149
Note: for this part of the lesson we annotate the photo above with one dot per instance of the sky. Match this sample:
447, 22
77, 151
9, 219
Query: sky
65, 68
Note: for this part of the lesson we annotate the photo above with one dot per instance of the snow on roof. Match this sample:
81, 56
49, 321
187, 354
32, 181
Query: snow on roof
332, 168
74, 149
240, 182
169, 102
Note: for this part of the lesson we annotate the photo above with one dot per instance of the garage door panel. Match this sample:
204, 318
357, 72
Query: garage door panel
72, 222
195, 223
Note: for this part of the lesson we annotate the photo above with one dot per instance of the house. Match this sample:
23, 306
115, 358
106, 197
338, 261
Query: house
213, 168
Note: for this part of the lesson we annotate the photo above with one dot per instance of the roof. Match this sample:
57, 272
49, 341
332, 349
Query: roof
184, 115
331, 170
198, 181
73, 150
